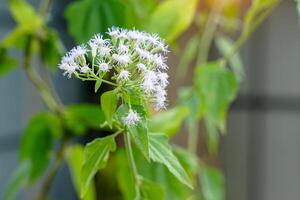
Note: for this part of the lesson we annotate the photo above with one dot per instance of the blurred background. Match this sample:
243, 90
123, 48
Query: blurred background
259, 155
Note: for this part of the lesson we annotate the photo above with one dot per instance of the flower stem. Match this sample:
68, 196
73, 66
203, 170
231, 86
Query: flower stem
132, 164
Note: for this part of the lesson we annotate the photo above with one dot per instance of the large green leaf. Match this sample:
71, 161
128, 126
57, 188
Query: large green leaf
225, 46
212, 182
171, 18
109, 101
75, 162
96, 154
17, 181
170, 121
160, 151
95, 16
81, 117
37, 142
217, 87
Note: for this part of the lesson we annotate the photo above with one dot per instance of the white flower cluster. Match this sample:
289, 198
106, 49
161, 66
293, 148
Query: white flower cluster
133, 59
132, 118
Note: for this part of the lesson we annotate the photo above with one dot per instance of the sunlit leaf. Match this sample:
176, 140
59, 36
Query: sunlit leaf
161, 152
75, 162
96, 154
171, 18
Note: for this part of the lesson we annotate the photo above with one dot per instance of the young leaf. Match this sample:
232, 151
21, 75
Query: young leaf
109, 101
7, 64
37, 142
225, 46
171, 18
161, 121
97, 85
96, 154
212, 182
75, 163
160, 151
18, 180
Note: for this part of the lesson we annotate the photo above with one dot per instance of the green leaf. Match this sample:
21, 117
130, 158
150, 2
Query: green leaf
52, 49
7, 63
17, 181
95, 16
138, 131
37, 142
161, 152
212, 182
96, 154
109, 101
75, 162
151, 190
298, 8
98, 84
161, 121
171, 18
81, 117
24, 13
225, 46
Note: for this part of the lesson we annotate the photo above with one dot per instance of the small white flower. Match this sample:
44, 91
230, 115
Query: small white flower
141, 67
69, 69
104, 67
94, 48
84, 69
123, 49
104, 50
143, 54
78, 51
163, 79
132, 118
159, 62
123, 59
124, 75
113, 32
98, 40
150, 80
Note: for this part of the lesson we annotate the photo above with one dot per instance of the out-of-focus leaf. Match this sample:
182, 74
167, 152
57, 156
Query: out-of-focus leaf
169, 122
138, 11
258, 8
298, 7
75, 162
81, 117
52, 49
96, 154
225, 46
171, 18
161, 152
95, 16
23, 12
190, 53
217, 87
17, 37
188, 160
212, 182
7, 63
109, 101
17, 181
37, 142
151, 190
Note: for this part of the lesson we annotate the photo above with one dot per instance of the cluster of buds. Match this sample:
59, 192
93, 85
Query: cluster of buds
132, 58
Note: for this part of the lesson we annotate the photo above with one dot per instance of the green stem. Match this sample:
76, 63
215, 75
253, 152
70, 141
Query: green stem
132, 164
193, 137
